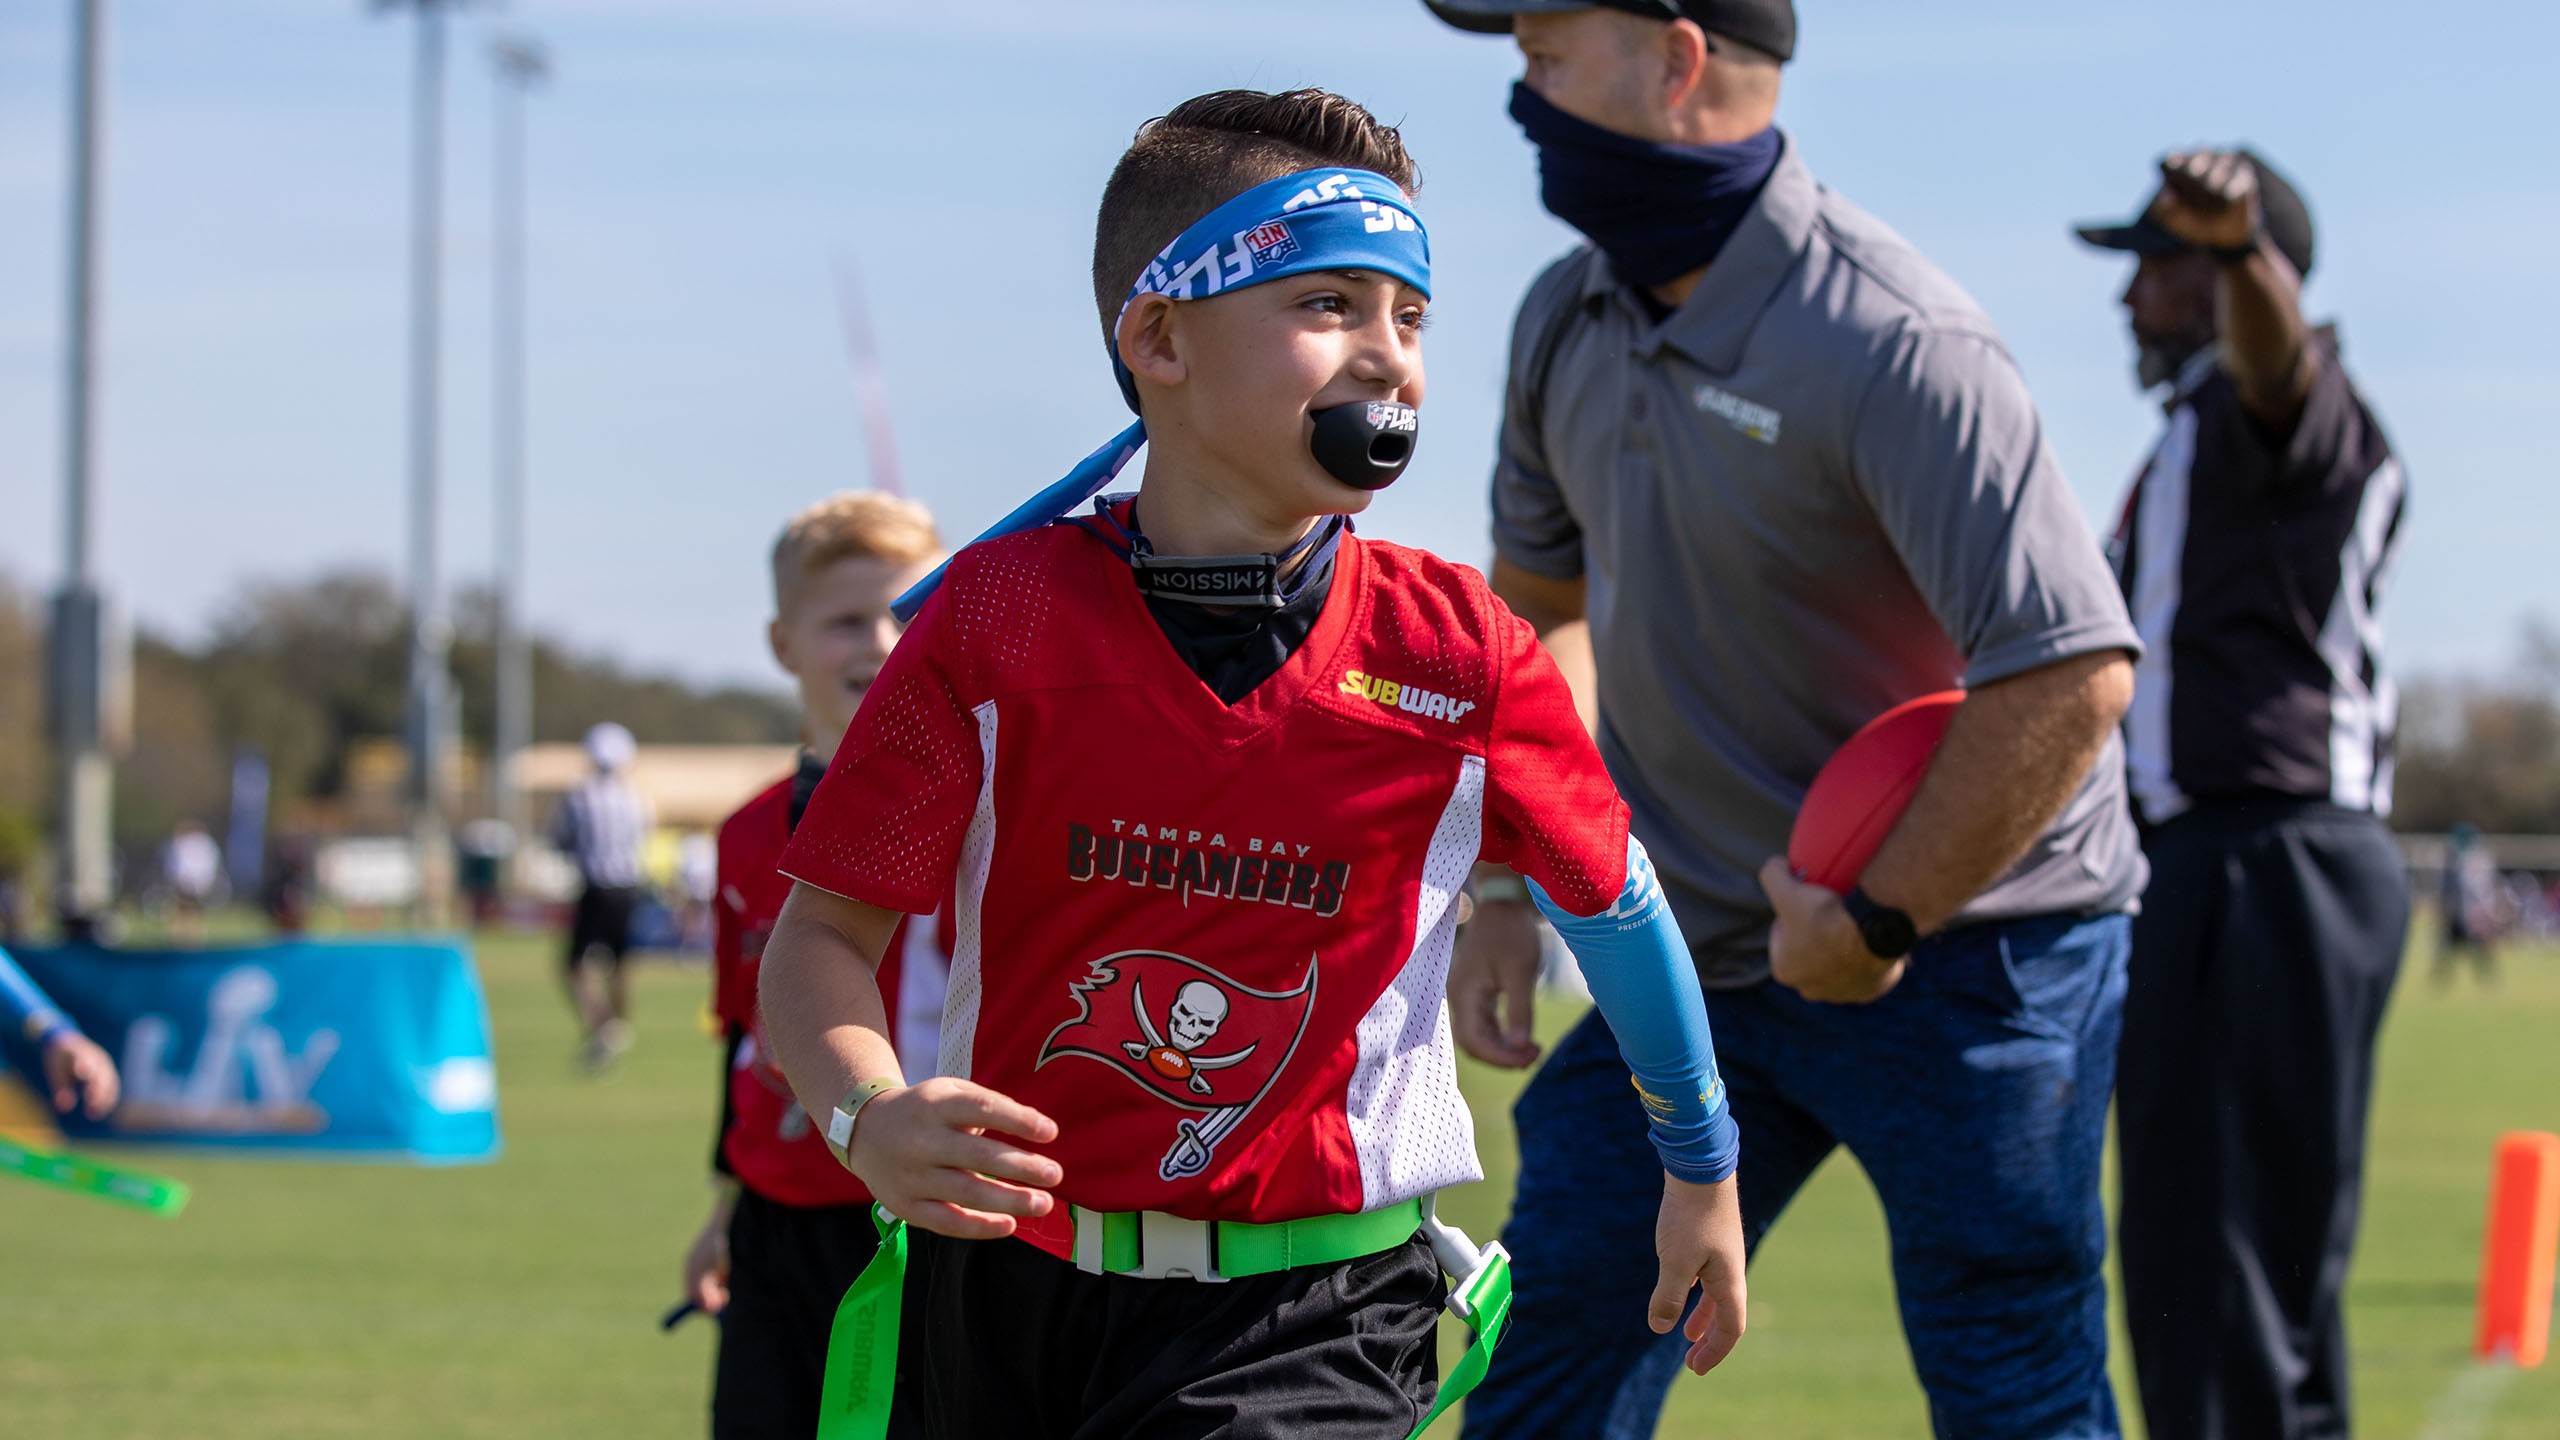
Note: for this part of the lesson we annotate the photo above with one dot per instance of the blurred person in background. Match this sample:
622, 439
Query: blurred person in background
80, 924
77, 1074
191, 866
17, 850
1791, 475
483, 847
290, 875
2253, 551
603, 825
790, 1227
2467, 908
697, 882
2521, 911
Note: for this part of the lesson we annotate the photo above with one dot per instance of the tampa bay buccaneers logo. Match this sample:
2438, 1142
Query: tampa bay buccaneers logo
1187, 1035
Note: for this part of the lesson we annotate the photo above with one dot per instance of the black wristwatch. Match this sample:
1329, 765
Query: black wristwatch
1888, 932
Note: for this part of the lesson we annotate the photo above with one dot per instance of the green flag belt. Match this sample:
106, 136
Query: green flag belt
862, 1348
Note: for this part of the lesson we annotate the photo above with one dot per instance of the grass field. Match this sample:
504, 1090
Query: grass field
518, 1299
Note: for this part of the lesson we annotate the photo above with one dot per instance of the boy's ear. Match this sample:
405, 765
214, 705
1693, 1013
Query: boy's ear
779, 638
1147, 343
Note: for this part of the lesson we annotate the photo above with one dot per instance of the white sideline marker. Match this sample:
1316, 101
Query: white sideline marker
2463, 1410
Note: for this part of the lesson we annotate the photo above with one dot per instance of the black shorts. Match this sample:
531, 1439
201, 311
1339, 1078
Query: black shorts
602, 920
788, 1266
1002, 1341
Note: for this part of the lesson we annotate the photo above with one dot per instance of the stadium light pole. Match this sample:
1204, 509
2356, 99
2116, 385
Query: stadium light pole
521, 65
430, 629
84, 776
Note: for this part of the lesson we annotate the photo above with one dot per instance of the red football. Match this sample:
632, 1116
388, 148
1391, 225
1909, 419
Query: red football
1864, 788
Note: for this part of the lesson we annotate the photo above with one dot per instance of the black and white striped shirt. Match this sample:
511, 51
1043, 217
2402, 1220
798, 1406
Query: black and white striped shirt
2254, 566
604, 825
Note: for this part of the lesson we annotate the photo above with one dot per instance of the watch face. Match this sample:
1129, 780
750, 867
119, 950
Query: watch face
1889, 933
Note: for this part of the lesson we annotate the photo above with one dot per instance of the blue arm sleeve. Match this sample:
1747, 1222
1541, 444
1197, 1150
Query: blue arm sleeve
24, 1006
1646, 985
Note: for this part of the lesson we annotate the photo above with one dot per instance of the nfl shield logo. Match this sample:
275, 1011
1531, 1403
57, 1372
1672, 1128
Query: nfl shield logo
1270, 242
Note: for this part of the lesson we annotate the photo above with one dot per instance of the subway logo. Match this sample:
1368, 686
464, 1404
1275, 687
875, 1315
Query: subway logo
1412, 699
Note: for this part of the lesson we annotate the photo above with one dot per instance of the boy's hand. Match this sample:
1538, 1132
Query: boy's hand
706, 1263
934, 1154
1699, 1238
80, 1074
1493, 984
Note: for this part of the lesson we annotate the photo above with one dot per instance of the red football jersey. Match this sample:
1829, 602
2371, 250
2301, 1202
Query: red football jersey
1210, 941
769, 1142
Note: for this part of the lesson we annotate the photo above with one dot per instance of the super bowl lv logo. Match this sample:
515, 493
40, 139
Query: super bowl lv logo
1187, 1035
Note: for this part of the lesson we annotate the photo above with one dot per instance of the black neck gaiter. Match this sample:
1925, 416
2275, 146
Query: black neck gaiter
1657, 211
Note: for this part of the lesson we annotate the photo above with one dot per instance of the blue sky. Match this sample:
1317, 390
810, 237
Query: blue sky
700, 166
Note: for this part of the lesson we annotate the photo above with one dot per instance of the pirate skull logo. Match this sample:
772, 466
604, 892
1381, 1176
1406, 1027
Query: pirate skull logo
1199, 1008
1187, 1035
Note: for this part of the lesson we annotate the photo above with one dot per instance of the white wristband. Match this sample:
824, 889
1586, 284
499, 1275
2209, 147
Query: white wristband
840, 1121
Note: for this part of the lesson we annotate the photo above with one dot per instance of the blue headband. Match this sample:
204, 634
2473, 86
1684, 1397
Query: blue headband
1313, 220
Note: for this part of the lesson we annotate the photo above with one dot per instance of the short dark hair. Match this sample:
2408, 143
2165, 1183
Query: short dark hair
1212, 148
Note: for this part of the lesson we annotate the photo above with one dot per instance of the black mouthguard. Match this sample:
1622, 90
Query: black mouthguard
1367, 443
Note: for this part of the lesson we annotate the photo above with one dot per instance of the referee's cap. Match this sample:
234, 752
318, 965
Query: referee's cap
1768, 25
610, 747
2280, 206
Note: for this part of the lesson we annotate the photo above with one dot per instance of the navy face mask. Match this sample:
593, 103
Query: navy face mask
1657, 211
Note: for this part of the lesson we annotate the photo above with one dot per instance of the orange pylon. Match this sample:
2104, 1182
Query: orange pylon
2524, 1239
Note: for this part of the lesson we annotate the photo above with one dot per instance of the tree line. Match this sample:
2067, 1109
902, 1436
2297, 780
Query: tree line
301, 670
2485, 750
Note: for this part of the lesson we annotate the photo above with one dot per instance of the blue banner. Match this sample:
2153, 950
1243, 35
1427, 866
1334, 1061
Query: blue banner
360, 1048
244, 845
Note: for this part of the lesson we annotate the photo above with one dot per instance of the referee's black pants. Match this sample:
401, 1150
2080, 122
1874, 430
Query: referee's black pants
2265, 950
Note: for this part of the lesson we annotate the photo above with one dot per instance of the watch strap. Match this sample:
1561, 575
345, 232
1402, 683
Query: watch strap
840, 1121
1870, 916
1501, 887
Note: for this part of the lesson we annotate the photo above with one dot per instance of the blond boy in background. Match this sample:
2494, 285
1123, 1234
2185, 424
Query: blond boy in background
789, 1227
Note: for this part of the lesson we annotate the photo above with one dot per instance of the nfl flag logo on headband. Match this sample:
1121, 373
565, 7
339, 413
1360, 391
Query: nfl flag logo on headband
1313, 220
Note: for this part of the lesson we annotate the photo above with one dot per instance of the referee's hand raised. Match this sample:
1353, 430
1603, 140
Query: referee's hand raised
941, 1154
2208, 198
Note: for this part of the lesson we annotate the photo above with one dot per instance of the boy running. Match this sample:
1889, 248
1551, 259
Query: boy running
1209, 773
789, 1228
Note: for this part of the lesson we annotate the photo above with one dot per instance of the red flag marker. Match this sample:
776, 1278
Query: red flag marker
2524, 1239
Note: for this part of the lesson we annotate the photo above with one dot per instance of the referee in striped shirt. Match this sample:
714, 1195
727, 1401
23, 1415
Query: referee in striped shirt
603, 824
2253, 553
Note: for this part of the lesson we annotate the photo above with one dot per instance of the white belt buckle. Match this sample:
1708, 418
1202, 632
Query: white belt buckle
1459, 1256
1169, 1248
1088, 1251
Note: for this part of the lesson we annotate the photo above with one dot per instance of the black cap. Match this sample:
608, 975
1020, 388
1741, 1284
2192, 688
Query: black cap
1768, 25
2280, 209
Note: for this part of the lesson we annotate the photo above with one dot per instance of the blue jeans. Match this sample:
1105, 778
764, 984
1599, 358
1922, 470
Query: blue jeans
1975, 1096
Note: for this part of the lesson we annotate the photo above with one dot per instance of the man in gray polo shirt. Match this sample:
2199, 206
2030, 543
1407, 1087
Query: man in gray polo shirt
1788, 476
